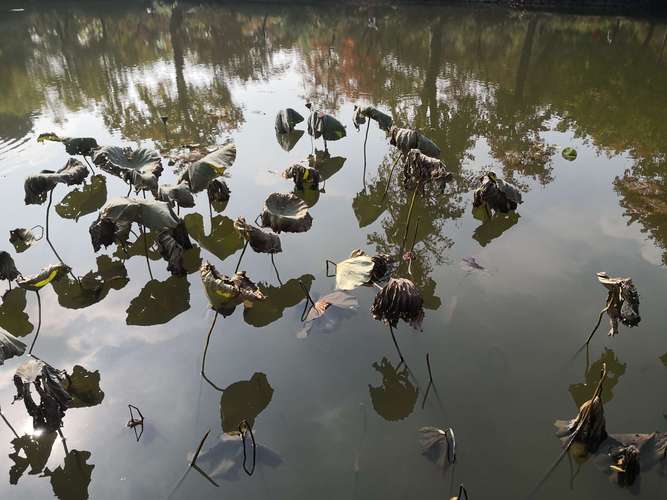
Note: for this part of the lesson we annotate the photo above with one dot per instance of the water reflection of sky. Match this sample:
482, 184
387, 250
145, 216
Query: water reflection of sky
488, 86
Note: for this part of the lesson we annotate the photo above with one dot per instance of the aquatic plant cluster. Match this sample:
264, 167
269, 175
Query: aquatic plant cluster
162, 232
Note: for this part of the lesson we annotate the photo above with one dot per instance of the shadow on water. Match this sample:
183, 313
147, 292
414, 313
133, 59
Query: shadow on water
159, 302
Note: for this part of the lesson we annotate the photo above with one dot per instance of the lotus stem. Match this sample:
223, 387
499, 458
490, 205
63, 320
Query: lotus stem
64, 441
193, 465
276, 269
243, 426
203, 360
10, 284
39, 321
365, 140
412, 247
238, 264
8, 424
92, 171
428, 365
309, 299
48, 239
462, 491
391, 173
398, 349
597, 325
148, 262
407, 224
128, 192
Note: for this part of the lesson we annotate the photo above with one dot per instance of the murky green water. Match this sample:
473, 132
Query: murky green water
491, 87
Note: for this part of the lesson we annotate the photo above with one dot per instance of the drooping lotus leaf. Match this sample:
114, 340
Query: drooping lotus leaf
288, 141
10, 346
625, 455
50, 386
496, 194
622, 301
286, 119
244, 400
419, 168
260, 241
22, 238
438, 445
570, 154
395, 399
494, 227
44, 277
406, 139
172, 252
84, 387
73, 145
225, 293
360, 114
8, 269
399, 299
176, 194
325, 164
84, 201
324, 125
218, 194
140, 167
38, 186
12, 315
223, 240
94, 286
200, 173
277, 299
588, 428
286, 212
30, 451
224, 460
71, 480
159, 302
303, 176
325, 315
360, 269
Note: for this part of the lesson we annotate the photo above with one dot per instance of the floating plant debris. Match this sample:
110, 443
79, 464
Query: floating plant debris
406, 139
438, 445
622, 303
200, 173
399, 299
360, 114
570, 154
84, 146
260, 241
496, 194
38, 186
22, 238
286, 212
286, 119
225, 293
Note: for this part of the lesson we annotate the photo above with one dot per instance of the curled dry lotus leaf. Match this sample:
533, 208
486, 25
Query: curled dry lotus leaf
498, 195
159, 302
303, 176
589, 425
570, 154
50, 386
224, 460
13, 317
23, 238
278, 298
360, 114
354, 272
84, 201
622, 301
244, 400
399, 299
200, 173
47, 275
84, 387
140, 167
438, 445
288, 140
286, 212
286, 119
421, 169
324, 125
176, 194
10, 346
260, 241
225, 293
406, 139
8, 269
38, 186
395, 399
326, 313
172, 252
218, 191
73, 145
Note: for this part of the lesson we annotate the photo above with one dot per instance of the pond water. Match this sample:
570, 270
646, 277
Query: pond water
495, 89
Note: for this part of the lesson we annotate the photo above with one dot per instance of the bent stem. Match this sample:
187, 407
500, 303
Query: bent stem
92, 170
398, 349
244, 428
365, 140
193, 465
39, 321
276, 269
597, 325
48, 238
203, 360
309, 300
238, 264
462, 491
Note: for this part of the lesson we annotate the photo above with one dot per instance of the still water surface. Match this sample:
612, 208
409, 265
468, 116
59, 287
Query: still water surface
491, 87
